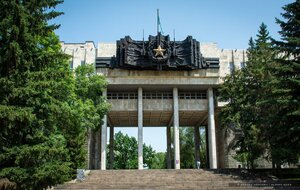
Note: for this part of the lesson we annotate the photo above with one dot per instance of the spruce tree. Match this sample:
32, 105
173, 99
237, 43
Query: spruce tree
246, 92
41, 134
286, 89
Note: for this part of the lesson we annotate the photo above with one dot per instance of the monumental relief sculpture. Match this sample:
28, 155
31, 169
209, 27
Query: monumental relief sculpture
158, 53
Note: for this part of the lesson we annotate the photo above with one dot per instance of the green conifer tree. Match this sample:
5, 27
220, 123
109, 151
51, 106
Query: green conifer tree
42, 133
286, 89
246, 92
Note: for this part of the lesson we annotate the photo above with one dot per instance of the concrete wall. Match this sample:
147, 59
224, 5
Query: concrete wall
123, 104
231, 56
163, 81
81, 53
106, 49
158, 105
133, 73
193, 105
230, 153
209, 49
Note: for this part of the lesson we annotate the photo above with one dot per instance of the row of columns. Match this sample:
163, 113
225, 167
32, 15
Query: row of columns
103, 134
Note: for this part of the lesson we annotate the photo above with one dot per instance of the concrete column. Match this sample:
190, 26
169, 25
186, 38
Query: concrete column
104, 138
97, 149
111, 148
140, 129
197, 145
100, 145
176, 129
207, 148
91, 149
169, 165
211, 130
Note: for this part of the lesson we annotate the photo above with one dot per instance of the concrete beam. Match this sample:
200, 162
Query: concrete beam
163, 80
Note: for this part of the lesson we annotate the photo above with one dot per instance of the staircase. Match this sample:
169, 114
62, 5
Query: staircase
161, 179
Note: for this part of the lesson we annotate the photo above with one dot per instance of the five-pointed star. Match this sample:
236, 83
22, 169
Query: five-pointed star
159, 51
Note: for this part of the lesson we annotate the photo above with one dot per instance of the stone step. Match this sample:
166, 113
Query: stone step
158, 184
162, 179
164, 187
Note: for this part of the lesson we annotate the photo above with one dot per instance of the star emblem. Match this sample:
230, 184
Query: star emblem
159, 51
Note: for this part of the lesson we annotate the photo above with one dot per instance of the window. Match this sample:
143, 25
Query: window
242, 65
231, 67
114, 96
125, 96
119, 95
132, 96
192, 95
157, 95
165, 96
71, 64
188, 96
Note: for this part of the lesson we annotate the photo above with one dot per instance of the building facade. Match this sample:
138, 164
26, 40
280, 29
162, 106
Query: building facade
162, 83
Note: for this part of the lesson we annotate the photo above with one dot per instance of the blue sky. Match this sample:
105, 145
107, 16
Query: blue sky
229, 23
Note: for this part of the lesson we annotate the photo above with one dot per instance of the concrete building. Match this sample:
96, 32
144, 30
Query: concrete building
161, 97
